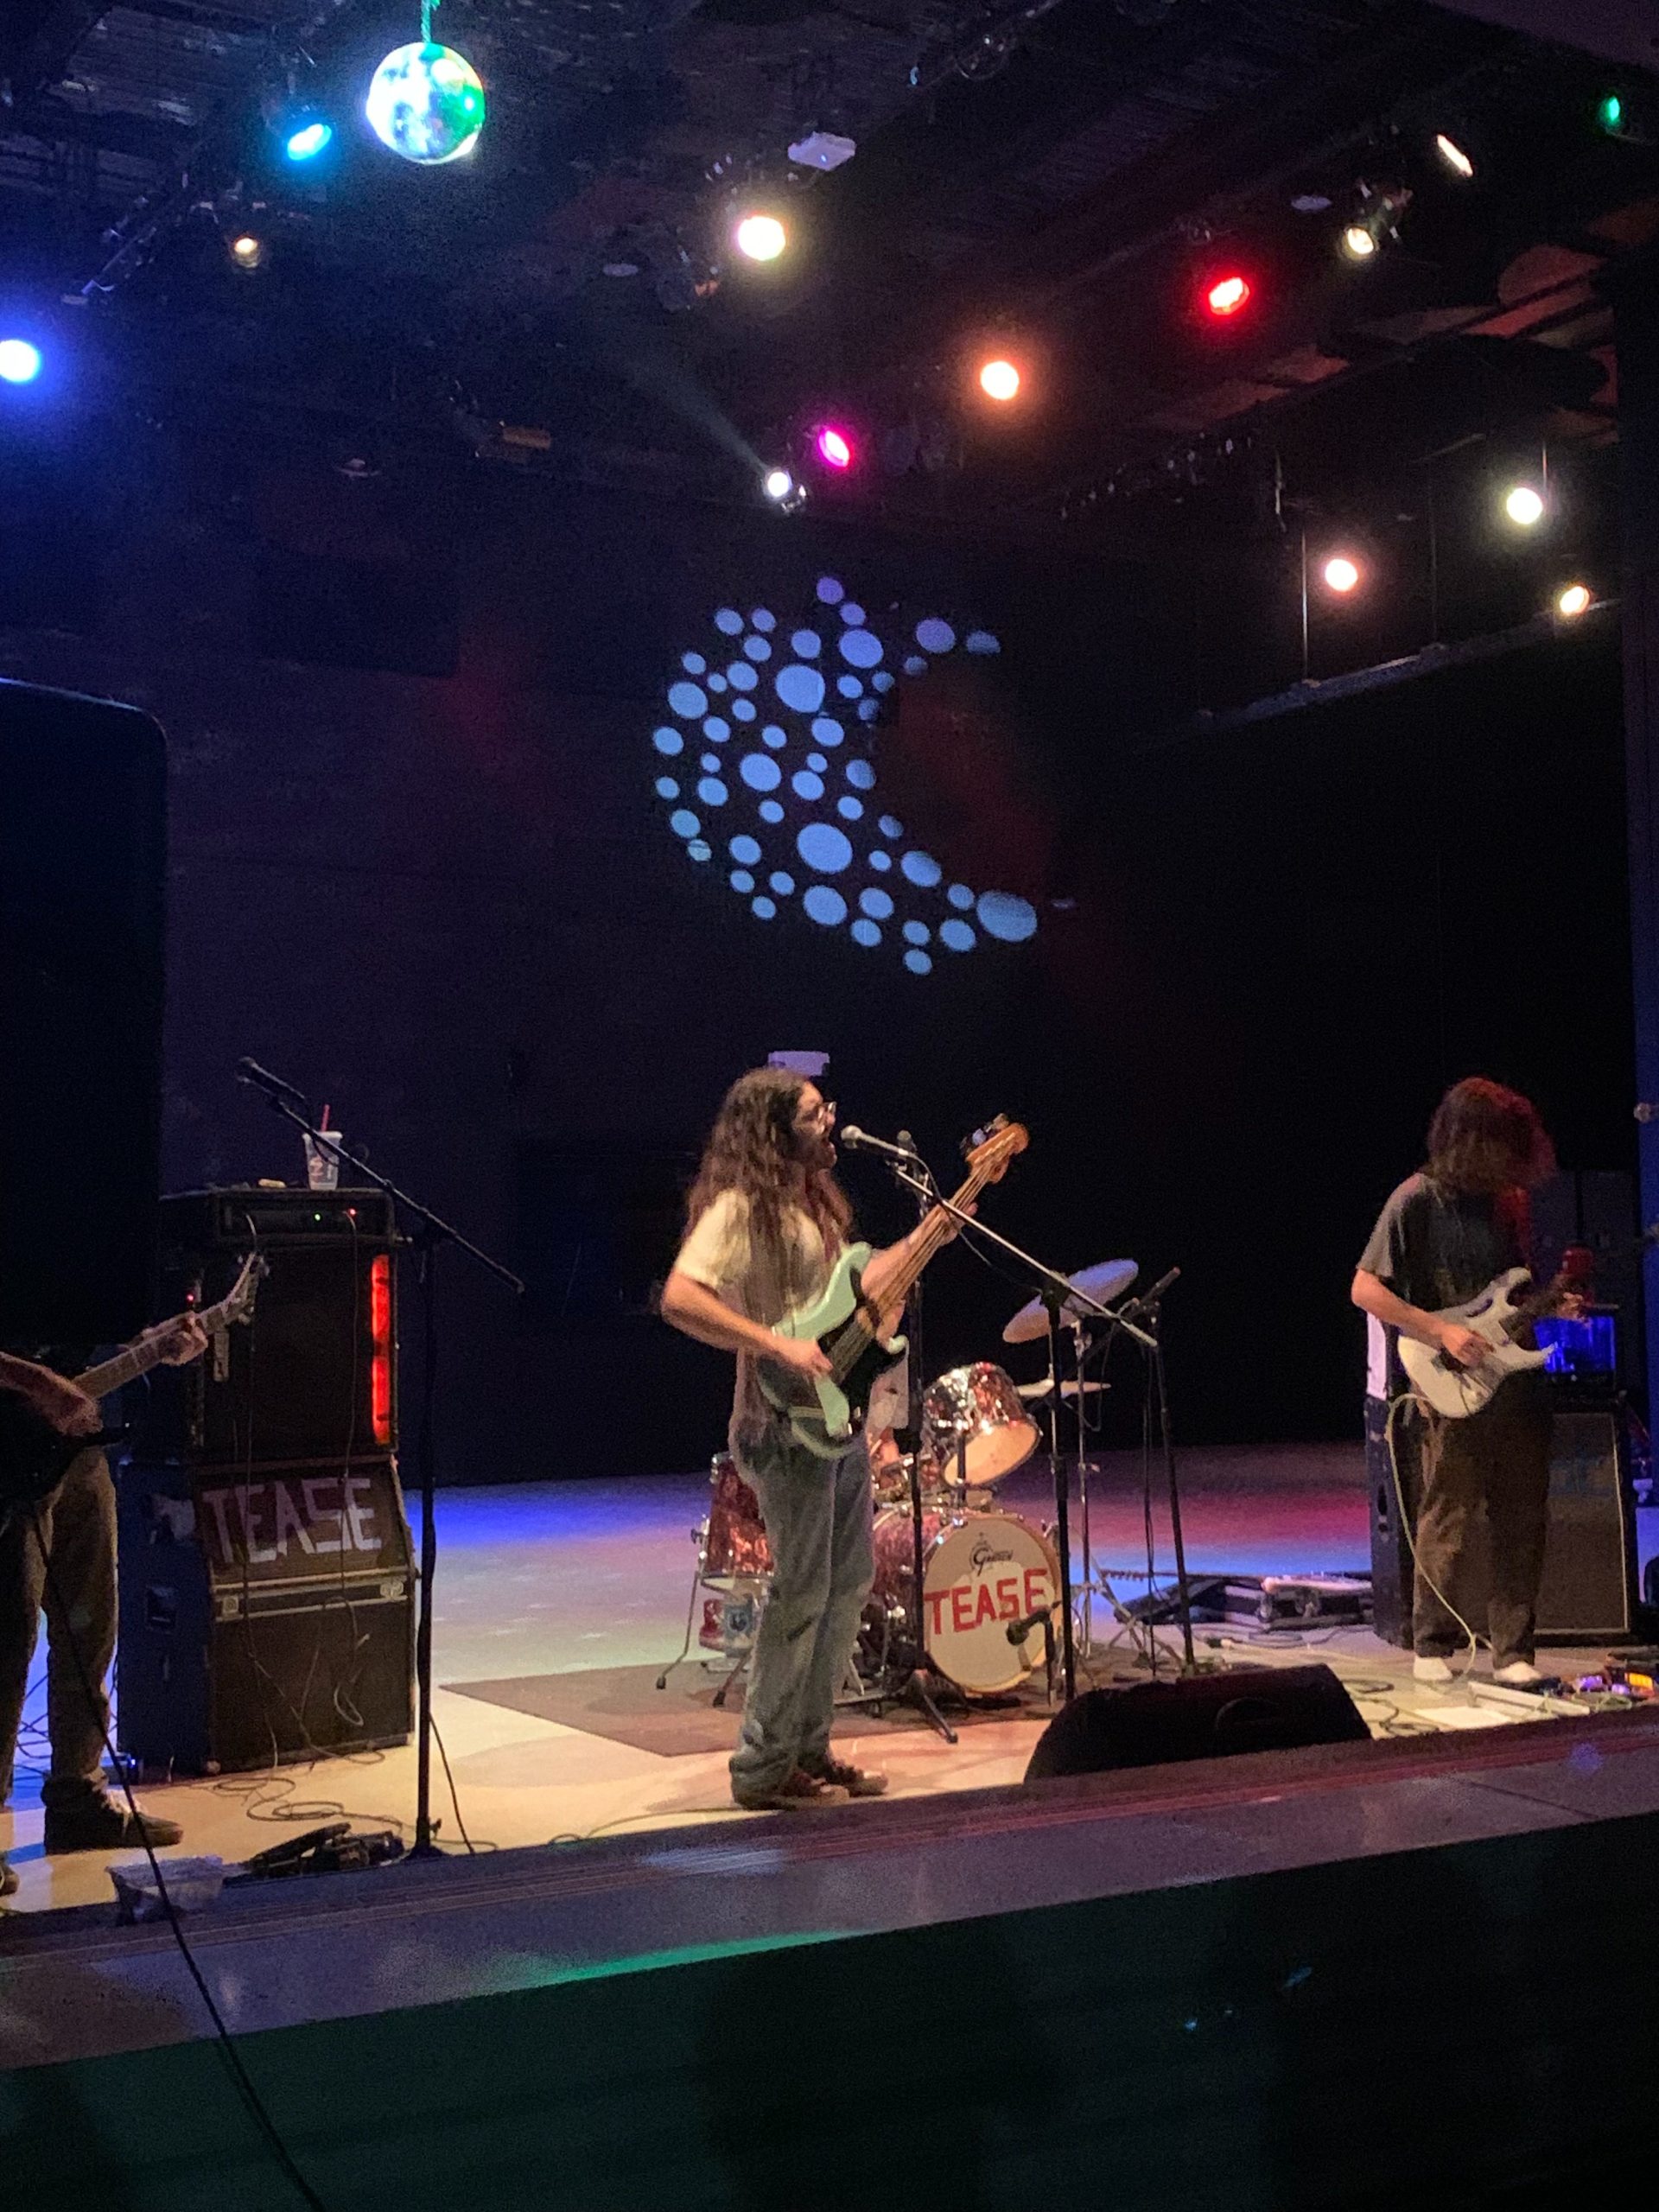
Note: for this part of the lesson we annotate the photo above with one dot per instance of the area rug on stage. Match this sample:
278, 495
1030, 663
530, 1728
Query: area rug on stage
624, 1705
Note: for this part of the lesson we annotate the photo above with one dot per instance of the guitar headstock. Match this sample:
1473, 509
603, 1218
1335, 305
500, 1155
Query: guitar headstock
237, 1305
990, 1152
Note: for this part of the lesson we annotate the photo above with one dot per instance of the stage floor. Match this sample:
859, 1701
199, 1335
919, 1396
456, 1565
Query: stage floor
544, 1579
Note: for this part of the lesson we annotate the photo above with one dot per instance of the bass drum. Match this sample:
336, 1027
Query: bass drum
980, 1571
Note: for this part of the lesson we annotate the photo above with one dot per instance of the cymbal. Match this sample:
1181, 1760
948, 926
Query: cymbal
1068, 1389
1107, 1279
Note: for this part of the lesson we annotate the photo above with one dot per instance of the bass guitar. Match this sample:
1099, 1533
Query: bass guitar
35, 1457
825, 1412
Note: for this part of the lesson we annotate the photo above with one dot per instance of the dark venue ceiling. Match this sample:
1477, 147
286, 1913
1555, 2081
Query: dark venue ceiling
1054, 176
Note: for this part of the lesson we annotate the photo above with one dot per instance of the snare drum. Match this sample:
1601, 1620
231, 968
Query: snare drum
980, 1571
735, 1547
979, 1405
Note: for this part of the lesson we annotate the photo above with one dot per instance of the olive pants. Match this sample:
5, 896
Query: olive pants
1486, 1476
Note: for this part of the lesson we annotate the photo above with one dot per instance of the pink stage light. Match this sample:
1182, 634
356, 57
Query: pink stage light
835, 447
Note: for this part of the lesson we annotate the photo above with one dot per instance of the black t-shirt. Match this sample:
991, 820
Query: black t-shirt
1436, 1249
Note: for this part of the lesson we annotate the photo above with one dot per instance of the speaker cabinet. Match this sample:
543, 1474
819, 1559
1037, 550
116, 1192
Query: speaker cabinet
1391, 1562
266, 1614
83, 858
1201, 1717
313, 1375
1590, 1591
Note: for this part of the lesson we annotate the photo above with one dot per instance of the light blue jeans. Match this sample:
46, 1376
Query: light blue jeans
818, 1517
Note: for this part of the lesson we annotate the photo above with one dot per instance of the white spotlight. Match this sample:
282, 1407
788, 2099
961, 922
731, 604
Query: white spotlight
1453, 155
1358, 243
1523, 506
761, 237
1575, 600
777, 484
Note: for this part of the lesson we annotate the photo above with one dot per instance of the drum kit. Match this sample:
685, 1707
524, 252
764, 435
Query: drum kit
992, 1589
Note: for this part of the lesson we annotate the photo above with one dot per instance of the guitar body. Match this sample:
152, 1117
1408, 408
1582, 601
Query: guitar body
1457, 1391
34, 1456
825, 1412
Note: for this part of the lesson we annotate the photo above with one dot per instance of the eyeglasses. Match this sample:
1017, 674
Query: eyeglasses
823, 1111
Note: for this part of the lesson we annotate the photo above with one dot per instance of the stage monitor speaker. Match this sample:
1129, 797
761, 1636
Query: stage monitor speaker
1197, 1716
313, 1375
264, 1617
83, 861
1589, 1593
1392, 1570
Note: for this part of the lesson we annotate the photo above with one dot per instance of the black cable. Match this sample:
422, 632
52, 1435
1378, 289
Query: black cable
231, 2055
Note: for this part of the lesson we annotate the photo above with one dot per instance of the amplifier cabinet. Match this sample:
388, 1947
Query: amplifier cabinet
267, 1614
314, 1373
1589, 1593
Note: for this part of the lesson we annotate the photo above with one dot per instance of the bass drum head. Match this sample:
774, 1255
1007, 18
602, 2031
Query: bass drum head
984, 1571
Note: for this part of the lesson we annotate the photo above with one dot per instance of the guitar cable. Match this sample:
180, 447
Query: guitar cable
226, 2043
1410, 1398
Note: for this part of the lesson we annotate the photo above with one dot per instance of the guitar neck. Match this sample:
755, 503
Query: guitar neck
139, 1357
937, 1224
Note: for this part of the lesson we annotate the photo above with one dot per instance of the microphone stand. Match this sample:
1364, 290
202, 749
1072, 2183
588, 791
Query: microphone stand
1058, 1295
914, 1689
431, 1233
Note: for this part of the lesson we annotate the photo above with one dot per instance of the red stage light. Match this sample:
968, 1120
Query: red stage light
835, 447
1227, 295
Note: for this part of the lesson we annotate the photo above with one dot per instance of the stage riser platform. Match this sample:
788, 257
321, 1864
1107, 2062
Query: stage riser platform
1417, 2027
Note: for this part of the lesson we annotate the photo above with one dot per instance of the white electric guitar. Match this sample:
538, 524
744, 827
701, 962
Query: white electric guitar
1498, 1316
825, 1412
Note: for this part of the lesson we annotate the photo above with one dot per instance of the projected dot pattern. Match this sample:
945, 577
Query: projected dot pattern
771, 731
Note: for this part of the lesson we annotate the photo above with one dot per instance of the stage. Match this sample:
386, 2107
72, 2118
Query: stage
569, 1598
1233, 1976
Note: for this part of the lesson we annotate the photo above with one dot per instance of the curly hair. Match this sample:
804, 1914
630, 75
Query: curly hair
1485, 1138
751, 1149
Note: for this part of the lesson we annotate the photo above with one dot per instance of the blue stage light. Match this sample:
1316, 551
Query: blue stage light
305, 138
20, 362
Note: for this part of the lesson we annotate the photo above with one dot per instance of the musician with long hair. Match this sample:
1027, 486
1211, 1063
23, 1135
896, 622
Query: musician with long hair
767, 1223
59, 1556
1443, 1235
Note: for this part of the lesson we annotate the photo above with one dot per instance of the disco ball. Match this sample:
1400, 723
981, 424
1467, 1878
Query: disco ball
426, 103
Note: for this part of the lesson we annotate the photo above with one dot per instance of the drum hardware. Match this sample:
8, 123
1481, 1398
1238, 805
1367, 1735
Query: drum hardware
1094, 1286
1058, 1294
732, 1578
975, 1418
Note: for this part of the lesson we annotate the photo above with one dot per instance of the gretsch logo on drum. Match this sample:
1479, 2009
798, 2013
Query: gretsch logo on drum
985, 1554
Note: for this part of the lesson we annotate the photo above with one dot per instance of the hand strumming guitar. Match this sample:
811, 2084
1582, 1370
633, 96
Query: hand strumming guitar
803, 1354
58, 1402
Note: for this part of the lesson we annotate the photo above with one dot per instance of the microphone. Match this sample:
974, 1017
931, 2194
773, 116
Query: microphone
1148, 1298
858, 1141
249, 1070
1648, 1110
1018, 1631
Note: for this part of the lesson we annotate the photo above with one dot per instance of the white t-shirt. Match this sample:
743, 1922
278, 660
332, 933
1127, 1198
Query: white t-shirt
753, 1278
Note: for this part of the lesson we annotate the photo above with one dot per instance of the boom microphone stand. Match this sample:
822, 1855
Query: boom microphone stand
431, 1234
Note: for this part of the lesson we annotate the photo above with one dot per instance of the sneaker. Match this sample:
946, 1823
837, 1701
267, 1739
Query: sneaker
857, 1781
1519, 1675
96, 1822
1424, 1669
8, 1878
797, 1792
